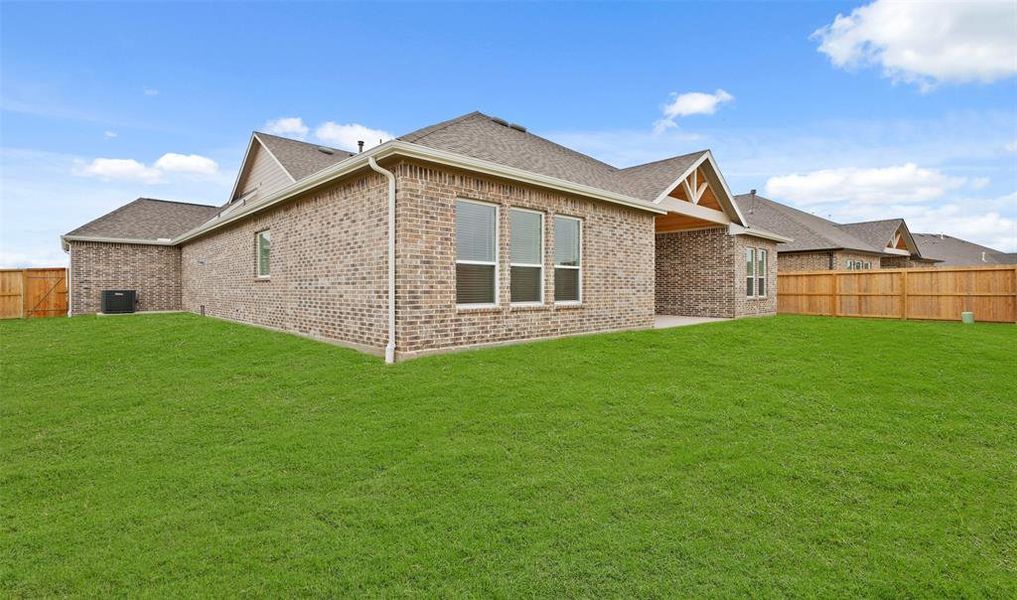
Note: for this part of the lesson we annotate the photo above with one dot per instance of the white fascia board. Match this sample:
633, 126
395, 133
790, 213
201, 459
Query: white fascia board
735, 229
409, 150
695, 211
896, 252
109, 240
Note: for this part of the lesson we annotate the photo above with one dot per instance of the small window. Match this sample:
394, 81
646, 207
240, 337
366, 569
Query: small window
849, 265
568, 276
761, 274
858, 265
868, 265
527, 260
476, 253
264, 253
750, 271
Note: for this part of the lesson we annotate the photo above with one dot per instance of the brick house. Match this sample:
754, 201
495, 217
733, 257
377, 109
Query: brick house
466, 233
820, 244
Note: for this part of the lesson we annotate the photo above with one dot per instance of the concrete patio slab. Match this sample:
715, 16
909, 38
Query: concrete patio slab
667, 321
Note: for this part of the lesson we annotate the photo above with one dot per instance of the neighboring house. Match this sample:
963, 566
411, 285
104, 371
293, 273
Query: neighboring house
469, 232
954, 252
820, 244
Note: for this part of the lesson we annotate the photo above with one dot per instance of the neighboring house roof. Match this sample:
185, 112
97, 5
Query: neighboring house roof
147, 219
301, 159
874, 233
809, 232
956, 252
480, 136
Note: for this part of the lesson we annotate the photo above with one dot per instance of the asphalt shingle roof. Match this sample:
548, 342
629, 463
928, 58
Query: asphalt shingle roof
809, 232
301, 159
148, 219
480, 136
875, 233
955, 252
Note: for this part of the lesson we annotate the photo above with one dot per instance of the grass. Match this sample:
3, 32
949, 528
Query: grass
170, 455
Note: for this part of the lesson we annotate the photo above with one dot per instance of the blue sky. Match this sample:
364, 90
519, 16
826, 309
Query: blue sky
889, 110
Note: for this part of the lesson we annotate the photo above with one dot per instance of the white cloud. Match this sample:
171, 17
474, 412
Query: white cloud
292, 127
109, 134
128, 169
346, 137
1011, 146
896, 184
926, 42
150, 91
979, 183
187, 163
125, 169
692, 103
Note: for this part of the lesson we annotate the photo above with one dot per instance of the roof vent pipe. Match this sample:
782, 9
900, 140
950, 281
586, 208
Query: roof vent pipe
360, 146
752, 193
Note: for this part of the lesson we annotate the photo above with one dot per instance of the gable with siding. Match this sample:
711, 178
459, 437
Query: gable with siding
261, 174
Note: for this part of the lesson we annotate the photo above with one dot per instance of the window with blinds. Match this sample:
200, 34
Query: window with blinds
263, 252
527, 260
750, 272
568, 280
761, 273
476, 253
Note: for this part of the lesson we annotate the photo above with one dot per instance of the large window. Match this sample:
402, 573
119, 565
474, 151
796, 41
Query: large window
568, 267
750, 272
761, 273
527, 267
263, 253
476, 253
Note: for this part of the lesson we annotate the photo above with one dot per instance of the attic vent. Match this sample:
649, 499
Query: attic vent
500, 121
326, 150
517, 127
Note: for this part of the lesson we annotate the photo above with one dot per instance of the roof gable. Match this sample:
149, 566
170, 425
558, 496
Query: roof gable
278, 161
887, 234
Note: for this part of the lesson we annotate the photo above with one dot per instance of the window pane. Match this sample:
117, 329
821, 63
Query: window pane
566, 241
264, 251
761, 264
474, 284
526, 237
761, 287
750, 261
526, 284
749, 283
475, 231
566, 285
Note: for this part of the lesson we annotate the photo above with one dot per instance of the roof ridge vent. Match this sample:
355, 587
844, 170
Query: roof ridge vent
500, 121
517, 127
326, 150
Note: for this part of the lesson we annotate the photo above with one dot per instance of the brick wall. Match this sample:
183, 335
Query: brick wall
328, 276
701, 273
803, 261
154, 271
617, 255
695, 273
820, 261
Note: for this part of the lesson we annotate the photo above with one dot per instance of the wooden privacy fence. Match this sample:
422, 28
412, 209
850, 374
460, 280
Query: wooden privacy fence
936, 293
28, 293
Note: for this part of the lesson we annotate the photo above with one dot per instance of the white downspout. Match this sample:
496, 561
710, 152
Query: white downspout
390, 348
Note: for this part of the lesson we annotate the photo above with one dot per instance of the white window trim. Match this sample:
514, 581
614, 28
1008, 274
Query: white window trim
751, 275
577, 268
497, 257
762, 255
543, 225
257, 254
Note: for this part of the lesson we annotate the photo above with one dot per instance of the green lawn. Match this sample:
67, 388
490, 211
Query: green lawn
171, 455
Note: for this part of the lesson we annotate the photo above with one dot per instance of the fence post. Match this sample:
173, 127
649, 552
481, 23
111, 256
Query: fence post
24, 292
835, 308
904, 294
